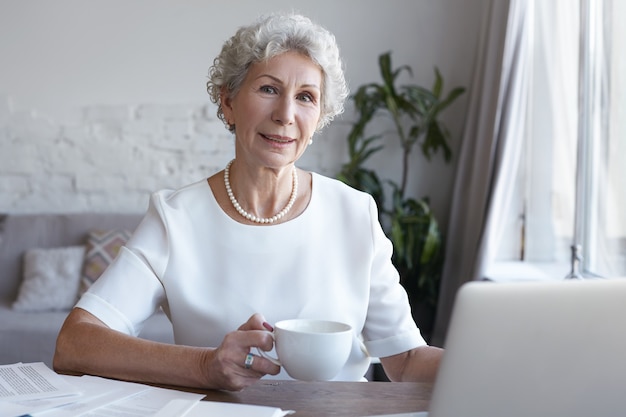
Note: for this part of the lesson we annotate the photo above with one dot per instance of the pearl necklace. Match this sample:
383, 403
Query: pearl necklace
252, 217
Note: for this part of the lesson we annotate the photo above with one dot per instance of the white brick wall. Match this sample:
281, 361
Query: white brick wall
115, 156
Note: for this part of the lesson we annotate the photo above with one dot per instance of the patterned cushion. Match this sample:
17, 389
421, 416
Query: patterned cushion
102, 247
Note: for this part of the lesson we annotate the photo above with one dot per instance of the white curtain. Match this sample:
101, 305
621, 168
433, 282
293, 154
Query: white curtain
490, 151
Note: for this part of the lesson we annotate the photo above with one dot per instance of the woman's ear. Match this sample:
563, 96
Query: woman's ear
226, 104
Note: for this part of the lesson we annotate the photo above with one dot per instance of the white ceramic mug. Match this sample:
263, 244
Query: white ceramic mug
311, 350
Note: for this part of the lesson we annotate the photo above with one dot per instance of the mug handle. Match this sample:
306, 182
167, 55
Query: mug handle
362, 347
266, 355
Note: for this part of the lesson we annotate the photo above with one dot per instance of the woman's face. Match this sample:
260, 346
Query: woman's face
277, 110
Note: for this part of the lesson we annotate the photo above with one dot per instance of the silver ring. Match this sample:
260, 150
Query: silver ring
249, 360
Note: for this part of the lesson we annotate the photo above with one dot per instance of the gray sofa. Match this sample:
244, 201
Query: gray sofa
31, 336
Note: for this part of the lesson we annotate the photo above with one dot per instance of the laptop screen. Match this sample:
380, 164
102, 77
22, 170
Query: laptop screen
535, 349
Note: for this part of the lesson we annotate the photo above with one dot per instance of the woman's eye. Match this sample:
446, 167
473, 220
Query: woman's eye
268, 89
306, 97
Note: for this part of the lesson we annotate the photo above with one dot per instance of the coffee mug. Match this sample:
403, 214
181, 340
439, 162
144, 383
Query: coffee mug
311, 350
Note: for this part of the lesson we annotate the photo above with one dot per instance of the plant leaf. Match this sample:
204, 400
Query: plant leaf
438, 85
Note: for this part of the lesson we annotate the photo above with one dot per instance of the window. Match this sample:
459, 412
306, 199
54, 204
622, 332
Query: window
571, 188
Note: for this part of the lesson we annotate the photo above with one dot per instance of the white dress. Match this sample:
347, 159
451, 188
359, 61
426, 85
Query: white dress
211, 273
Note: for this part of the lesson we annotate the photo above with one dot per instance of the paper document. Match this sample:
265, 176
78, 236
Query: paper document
22, 381
176, 408
58, 395
213, 408
97, 392
148, 402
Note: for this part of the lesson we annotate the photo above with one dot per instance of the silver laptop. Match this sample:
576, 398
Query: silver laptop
532, 349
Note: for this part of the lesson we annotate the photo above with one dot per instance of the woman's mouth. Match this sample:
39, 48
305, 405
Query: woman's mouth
277, 138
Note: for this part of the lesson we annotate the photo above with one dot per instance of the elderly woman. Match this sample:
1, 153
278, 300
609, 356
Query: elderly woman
256, 243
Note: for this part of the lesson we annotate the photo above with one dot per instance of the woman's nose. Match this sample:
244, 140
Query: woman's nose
284, 112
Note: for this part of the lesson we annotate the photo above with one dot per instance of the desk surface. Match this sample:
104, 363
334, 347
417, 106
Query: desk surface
331, 398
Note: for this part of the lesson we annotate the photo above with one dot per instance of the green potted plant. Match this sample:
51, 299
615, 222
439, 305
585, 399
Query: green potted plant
409, 223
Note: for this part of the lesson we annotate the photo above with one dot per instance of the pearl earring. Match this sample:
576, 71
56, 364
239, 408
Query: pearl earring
311, 141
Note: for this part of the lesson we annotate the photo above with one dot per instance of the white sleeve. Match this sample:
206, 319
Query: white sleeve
389, 327
130, 289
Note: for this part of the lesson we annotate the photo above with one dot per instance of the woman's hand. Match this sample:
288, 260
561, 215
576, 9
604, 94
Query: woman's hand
226, 365
85, 345
420, 364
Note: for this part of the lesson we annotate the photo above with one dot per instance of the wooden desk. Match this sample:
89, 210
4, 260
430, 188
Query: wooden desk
332, 398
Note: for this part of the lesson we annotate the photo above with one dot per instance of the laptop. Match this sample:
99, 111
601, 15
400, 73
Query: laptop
534, 349
530, 349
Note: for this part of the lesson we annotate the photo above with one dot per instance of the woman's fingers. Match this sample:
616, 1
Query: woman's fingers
235, 364
255, 322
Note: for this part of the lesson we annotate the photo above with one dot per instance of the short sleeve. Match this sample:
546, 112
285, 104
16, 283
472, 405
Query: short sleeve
389, 327
137, 269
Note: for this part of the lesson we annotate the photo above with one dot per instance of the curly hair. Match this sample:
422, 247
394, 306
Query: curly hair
268, 37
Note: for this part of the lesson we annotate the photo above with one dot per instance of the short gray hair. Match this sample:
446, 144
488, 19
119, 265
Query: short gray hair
273, 35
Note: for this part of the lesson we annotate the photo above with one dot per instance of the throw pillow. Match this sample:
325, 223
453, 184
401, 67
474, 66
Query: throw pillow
102, 247
51, 279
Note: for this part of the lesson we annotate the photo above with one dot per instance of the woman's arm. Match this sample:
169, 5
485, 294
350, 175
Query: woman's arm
87, 346
420, 364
